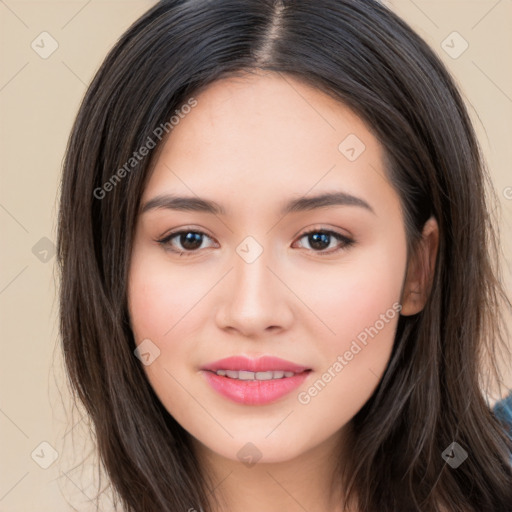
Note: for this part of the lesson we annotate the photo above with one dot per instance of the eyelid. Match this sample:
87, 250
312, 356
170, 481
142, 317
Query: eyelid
314, 228
346, 241
165, 240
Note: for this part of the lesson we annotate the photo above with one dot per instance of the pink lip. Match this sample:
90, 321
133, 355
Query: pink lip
254, 392
262, 364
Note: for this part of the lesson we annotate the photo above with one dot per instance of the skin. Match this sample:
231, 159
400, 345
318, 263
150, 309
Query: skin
251, 144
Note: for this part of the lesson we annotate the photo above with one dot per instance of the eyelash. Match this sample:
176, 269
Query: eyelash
346, 242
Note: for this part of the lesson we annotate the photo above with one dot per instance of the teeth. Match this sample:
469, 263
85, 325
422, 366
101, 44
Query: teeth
246, 375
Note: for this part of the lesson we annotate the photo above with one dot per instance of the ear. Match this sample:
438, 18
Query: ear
420, 270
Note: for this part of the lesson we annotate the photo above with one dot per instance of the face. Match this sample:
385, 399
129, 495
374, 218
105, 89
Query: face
271, 272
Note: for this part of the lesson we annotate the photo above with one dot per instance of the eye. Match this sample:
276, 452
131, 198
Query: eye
190, 241
321, 239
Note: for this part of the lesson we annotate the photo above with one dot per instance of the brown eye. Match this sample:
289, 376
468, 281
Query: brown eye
187, 240
319, 240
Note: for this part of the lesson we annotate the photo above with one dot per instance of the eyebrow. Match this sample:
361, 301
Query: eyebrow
197, 204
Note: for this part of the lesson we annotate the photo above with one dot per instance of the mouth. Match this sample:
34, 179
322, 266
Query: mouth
261, 366
248, 375
254, 381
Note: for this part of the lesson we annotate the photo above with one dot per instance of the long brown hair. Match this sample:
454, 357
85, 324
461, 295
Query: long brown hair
431, 394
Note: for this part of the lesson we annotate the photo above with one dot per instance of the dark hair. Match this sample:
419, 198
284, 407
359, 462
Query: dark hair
431, 394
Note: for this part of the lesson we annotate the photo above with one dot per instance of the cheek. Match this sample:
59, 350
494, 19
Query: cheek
358, 305
355, 357
163, 304
160, 297
352, 296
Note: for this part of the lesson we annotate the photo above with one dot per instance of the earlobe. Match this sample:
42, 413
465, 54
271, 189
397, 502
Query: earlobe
420, 270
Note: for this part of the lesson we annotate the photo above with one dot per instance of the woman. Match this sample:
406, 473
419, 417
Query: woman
249, 366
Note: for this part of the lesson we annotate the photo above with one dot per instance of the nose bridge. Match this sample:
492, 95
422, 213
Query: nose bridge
253, 281
255, 299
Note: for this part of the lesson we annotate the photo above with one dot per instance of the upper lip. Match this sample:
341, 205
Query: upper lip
261, 364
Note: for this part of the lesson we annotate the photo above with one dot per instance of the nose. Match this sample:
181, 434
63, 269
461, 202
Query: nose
254, 299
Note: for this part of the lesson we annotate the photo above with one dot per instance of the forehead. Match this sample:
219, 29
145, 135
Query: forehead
275, 109
267, 134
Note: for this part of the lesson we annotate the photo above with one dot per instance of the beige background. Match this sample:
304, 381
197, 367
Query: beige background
38, 101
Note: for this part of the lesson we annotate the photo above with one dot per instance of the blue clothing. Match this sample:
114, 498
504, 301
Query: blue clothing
503, 411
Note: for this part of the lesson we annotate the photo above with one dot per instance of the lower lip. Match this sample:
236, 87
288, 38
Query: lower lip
254, 392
